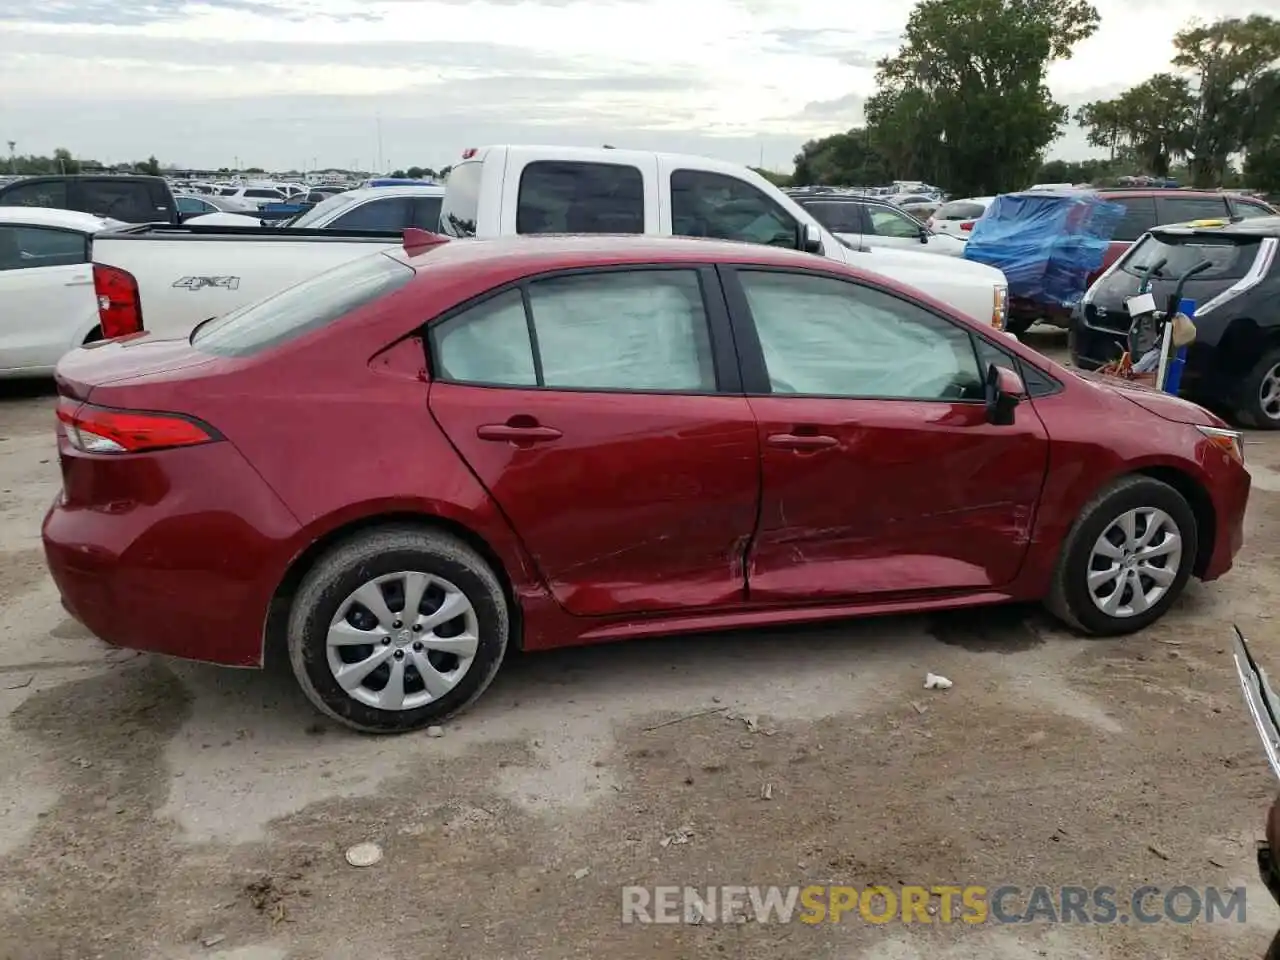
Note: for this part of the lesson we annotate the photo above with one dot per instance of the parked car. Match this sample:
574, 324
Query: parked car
558, 441
130, 199
1145, 208
47, 300
191, 206
866, 223
390, 208
956, 218
1234, 362
507, 190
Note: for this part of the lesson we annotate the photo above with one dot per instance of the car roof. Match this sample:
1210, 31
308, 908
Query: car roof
520, 256
1250, 227
51, 217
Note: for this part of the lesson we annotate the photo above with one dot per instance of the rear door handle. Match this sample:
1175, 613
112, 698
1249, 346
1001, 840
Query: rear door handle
506, 433
796, 441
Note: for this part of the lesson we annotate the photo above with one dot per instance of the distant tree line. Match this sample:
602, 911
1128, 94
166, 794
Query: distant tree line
964, 104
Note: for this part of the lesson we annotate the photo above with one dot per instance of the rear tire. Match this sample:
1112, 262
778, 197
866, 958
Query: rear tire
394, 687
1258, 401
1137, 538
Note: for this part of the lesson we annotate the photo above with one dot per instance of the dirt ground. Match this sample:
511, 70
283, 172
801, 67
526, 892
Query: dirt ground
156, 809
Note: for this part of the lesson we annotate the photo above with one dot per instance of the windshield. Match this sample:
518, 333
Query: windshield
1230, 257
322, 210
303, 307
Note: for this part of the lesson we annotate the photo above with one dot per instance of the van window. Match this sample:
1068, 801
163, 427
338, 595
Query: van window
1230, 257
1139, 217
461, 206
126, 200
705, 204
49, 193
565, 197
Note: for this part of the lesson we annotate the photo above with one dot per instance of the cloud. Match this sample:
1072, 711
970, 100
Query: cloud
847, 109
111, 13
851, 48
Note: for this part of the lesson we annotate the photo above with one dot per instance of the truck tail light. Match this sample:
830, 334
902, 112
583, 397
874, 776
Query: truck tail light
1000, 307
119, 306
95, 429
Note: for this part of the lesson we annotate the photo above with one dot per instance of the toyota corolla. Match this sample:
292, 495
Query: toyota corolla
404, 467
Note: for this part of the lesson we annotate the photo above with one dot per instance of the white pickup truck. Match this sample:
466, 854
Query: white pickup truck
169, 278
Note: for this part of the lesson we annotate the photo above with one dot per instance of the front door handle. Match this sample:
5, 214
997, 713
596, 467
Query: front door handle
796, 441
507, 433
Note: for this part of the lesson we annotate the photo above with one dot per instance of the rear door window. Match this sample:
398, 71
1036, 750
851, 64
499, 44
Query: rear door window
1182, 209
1139, 217
461, 206
23, 248
886, 222
50, 193
304, 307
837, 216
565, 197
126, 200
388, 213
1230, 258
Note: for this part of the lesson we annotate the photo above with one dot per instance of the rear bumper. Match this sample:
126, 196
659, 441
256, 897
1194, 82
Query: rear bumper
177, 552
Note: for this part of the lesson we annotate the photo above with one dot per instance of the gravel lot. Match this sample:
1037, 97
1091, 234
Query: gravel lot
157, 809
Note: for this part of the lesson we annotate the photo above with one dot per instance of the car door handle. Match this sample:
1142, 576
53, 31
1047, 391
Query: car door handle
507, 433
796, 441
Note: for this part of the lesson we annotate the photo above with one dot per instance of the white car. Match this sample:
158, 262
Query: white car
370, 208
868, 223
47, 300
956, 218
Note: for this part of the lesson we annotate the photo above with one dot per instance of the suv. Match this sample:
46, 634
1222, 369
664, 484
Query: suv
1234, 362
131, 199
865, 223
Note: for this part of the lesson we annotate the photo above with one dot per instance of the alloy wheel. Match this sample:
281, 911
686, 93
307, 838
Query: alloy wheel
1134, 562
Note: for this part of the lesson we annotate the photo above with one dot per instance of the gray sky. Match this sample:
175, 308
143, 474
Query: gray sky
293, 83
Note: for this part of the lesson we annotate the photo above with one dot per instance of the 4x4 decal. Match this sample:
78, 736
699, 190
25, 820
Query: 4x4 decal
200, 283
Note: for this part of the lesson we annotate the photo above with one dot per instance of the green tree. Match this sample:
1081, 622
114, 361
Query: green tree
842, 159
964, 102
1151, 121
1233, 67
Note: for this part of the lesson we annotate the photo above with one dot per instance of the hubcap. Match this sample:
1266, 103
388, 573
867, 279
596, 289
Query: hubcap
1134, 562
402, 640
1269, 393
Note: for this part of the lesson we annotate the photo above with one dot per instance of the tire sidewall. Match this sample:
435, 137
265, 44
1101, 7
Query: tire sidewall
1249, 403
318, 602
1148, 493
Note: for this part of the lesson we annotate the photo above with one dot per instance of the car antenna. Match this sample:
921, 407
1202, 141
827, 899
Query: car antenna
415, 238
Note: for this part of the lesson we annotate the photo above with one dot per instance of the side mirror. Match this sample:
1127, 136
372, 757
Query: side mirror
810, 238
924, 234
1004, 391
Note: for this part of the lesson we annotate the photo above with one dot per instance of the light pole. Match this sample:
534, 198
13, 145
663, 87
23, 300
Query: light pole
13, 163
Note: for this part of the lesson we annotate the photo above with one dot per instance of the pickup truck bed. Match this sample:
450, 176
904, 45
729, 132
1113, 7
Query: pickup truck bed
186, 274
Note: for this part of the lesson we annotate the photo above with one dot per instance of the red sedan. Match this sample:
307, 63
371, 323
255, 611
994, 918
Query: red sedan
401, 467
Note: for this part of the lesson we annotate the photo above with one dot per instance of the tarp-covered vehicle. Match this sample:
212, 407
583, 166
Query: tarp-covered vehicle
1047, 243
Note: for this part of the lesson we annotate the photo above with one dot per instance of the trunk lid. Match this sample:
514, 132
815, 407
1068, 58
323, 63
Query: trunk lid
133, 360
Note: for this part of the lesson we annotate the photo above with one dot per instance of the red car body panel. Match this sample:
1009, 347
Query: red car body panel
648, 515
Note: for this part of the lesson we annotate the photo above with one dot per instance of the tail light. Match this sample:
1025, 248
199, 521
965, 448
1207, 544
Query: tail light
1000, 307
102, 430
119, 306
967, 225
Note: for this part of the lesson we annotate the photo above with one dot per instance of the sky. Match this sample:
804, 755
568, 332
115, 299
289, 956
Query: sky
381, 84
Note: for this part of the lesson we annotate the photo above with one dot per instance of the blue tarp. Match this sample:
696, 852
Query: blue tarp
1047, 243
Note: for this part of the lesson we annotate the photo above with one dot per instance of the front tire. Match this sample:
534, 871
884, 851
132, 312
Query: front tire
1258, 403
1126, 559
396, 629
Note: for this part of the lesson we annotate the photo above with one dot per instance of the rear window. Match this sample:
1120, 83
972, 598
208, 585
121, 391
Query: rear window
1176, 209
567, 197
960, 210
303, 307
129, 201
461, 205
1230, 258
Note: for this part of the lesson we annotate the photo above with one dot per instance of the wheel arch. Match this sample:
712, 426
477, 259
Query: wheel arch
1201, 504
278, 609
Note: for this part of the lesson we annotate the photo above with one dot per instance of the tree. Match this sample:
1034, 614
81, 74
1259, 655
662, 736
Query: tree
1233, 65
149, 166
964, 102
842, 159
1152, 121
